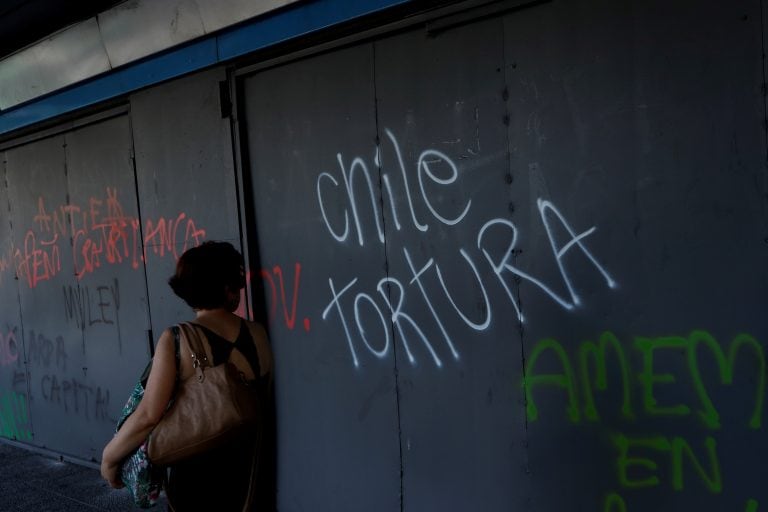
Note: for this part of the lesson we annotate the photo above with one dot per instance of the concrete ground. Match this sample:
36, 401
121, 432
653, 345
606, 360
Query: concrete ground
33, 482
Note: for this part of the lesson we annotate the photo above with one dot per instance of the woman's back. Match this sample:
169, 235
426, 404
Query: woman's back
232, 339
220, 480
210, 279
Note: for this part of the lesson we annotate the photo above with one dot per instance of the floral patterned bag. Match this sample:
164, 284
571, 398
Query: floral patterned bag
142, 479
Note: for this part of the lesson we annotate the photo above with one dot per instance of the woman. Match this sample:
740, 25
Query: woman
209, 278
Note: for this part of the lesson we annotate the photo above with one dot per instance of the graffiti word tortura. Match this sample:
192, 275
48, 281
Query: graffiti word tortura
494, 246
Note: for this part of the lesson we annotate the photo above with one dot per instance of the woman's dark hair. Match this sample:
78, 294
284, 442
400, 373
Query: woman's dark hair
205, 273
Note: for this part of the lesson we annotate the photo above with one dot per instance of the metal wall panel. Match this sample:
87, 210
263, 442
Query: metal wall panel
185, 179
77, 253
308, 124
15, 420
60, 407
444, 150
162, 25
602, 168
166, 24
109, 301
641, 125
65, 58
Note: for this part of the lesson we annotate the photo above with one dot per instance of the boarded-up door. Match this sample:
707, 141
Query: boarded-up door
517, 263
75, 246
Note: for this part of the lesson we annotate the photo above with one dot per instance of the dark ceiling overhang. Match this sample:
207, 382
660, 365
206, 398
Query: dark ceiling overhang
22, 22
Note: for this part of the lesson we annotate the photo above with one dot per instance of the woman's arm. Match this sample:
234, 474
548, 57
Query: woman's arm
150, 410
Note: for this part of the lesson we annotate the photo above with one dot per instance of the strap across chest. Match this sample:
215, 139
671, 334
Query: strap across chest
221, 348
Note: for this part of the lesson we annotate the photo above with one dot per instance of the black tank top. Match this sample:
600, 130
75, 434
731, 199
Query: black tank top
221, 348
225, 472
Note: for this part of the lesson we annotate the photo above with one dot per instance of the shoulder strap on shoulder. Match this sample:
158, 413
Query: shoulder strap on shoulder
176, 346
195, 344
177, 351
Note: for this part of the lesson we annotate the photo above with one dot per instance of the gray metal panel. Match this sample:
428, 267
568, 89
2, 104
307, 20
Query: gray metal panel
77, 253
169, 23
109, 300
444, 152
643, 122
54, 349
185, 179
161, 25
338, 431
15, 420
69, 56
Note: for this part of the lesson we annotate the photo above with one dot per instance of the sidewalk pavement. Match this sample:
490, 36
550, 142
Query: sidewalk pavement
33, 482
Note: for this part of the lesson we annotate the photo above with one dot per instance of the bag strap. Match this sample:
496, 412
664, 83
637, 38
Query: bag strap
195, 343
196, 349
177, 352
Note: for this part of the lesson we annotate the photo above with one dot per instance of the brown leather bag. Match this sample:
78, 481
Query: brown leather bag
209, 407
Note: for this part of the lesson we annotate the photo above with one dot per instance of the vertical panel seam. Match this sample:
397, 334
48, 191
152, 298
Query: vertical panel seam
386, 272
67, 201
27, 379
237, 171
764, 92
256, 302
140, 220
516, 283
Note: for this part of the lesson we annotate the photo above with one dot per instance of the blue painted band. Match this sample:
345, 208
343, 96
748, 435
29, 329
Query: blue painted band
294, 21
112, 84
285, 25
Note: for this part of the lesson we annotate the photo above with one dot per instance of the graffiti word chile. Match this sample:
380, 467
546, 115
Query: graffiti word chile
98, 233
340, 188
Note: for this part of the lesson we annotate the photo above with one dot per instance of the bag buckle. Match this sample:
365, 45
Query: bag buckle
196, 362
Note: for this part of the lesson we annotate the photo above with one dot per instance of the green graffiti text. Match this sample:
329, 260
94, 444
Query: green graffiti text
594, 360
14, 417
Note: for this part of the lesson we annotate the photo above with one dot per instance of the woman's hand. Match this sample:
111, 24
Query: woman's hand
111, 473
137, 427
